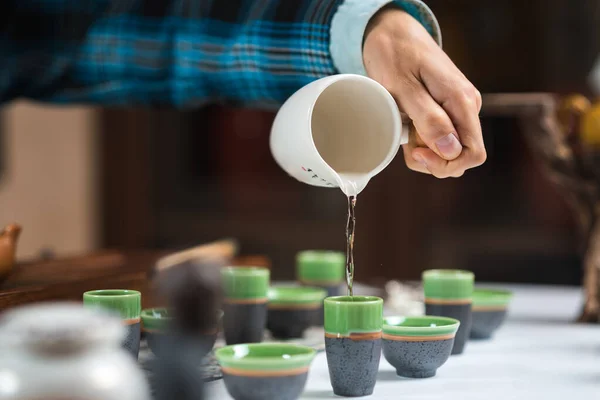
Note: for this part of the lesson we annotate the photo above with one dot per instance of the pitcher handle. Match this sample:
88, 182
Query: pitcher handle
404, 134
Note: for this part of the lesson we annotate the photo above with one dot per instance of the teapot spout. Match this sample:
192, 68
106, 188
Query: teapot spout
11, 232
8, 248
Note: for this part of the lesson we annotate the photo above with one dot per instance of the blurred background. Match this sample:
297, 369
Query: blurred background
80, 179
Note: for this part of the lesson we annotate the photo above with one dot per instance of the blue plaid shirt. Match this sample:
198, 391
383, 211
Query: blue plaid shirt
182, 53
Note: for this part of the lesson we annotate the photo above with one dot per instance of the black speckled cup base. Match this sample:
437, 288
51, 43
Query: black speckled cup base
485, 323
263, 388
160, 343
332, 290
244, 323
461, 312
131, 343
353, 365
290, 323
417, 359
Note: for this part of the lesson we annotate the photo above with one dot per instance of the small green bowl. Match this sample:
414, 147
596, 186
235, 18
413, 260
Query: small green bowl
418, 346
489, 307
265, 370
293, 309
156, 324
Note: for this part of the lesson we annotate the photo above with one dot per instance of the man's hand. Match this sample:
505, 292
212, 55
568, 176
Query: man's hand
444, 106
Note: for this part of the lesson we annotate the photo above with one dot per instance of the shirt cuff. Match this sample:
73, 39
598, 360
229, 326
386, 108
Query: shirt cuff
350, 22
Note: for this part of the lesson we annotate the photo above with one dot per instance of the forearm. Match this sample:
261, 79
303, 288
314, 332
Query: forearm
188, 53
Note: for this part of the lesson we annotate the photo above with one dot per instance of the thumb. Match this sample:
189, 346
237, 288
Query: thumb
434, 127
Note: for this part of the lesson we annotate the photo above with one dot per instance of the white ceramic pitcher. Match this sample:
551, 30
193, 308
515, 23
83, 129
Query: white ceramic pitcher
338, 131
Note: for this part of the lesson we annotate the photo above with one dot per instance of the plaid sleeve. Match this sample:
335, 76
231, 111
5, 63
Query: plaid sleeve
181, 53
165, 52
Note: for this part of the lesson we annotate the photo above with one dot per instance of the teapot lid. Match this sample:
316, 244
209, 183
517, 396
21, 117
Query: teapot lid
60, 326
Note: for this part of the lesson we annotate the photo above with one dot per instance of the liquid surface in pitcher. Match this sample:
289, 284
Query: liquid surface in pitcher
352, 132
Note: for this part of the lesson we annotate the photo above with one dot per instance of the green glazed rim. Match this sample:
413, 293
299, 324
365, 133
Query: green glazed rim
346, 315
321, 266
245, 282
127, 303
159, 318
156, 318
448, 284
491, 297
286, 295
420, 326
265, 356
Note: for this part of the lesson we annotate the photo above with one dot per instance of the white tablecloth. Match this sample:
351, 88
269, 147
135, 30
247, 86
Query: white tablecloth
539, 353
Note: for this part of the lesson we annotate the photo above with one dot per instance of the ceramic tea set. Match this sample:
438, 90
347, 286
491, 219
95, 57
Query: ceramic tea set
356, 333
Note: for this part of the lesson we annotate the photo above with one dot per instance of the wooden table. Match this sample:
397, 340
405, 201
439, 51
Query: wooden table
68, 278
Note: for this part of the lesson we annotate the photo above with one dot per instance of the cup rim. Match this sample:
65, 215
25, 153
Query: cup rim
227, 355
457, 274
295, 295
147, 314
154, 323
320, 255
243, 271
357, 300
485, 296
443, 325
112, 293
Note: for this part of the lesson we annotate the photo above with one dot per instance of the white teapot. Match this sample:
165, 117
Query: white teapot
62, 351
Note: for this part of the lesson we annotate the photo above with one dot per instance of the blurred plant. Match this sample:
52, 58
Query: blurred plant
565, 135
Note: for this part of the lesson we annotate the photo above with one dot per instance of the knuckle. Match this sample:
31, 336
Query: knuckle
436, 118
441, 174
479, 157
467, 94
478, 99
411, 164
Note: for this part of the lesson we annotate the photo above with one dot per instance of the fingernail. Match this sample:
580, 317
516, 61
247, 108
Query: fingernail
449, 146
420, 160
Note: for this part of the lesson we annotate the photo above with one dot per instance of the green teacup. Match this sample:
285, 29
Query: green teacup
489, 311
321, 268
245, 304
418, 346
265, 370
353, 326
125, 303
292, 309
448, 293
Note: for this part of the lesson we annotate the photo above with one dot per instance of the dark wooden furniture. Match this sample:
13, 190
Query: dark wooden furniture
67, 279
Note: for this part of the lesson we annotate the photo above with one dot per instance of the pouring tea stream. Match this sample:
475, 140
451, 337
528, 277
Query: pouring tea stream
339, 131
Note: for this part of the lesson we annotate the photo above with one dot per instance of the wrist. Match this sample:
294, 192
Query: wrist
381, 17
355, 19
393, 22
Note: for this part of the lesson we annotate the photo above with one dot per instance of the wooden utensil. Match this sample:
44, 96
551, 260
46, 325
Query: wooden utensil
223, 250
